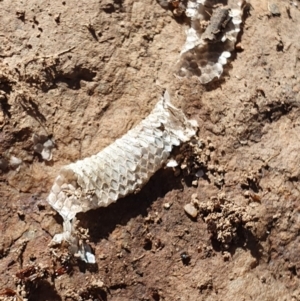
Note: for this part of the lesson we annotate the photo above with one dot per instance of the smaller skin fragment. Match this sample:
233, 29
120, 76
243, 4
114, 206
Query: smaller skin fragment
210, 38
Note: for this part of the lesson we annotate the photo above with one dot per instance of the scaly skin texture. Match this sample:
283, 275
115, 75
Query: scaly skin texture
122, 167
210, 39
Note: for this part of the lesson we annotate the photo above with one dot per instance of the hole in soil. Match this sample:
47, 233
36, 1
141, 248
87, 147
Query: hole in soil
94, 294
109, 8
5, 106
44, 291
73, 78
147, 244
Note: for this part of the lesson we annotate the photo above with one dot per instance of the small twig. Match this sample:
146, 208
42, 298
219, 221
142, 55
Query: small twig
49, 56
272, 157
137, 259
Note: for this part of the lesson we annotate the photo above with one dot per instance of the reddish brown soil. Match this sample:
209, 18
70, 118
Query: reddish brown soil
83, 75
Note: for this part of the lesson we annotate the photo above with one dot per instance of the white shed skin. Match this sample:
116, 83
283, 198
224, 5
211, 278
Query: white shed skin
203, 58
120, 168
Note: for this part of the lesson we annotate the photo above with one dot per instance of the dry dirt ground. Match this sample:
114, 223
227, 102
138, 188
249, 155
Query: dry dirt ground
83, 74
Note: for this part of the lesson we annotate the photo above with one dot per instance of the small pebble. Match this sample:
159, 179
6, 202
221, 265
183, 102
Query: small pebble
15, 162
194, 197
239, 47
167, 206
200, 173
211, 146
191, 210
172, 163
274, 10
183, 166
185, 257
